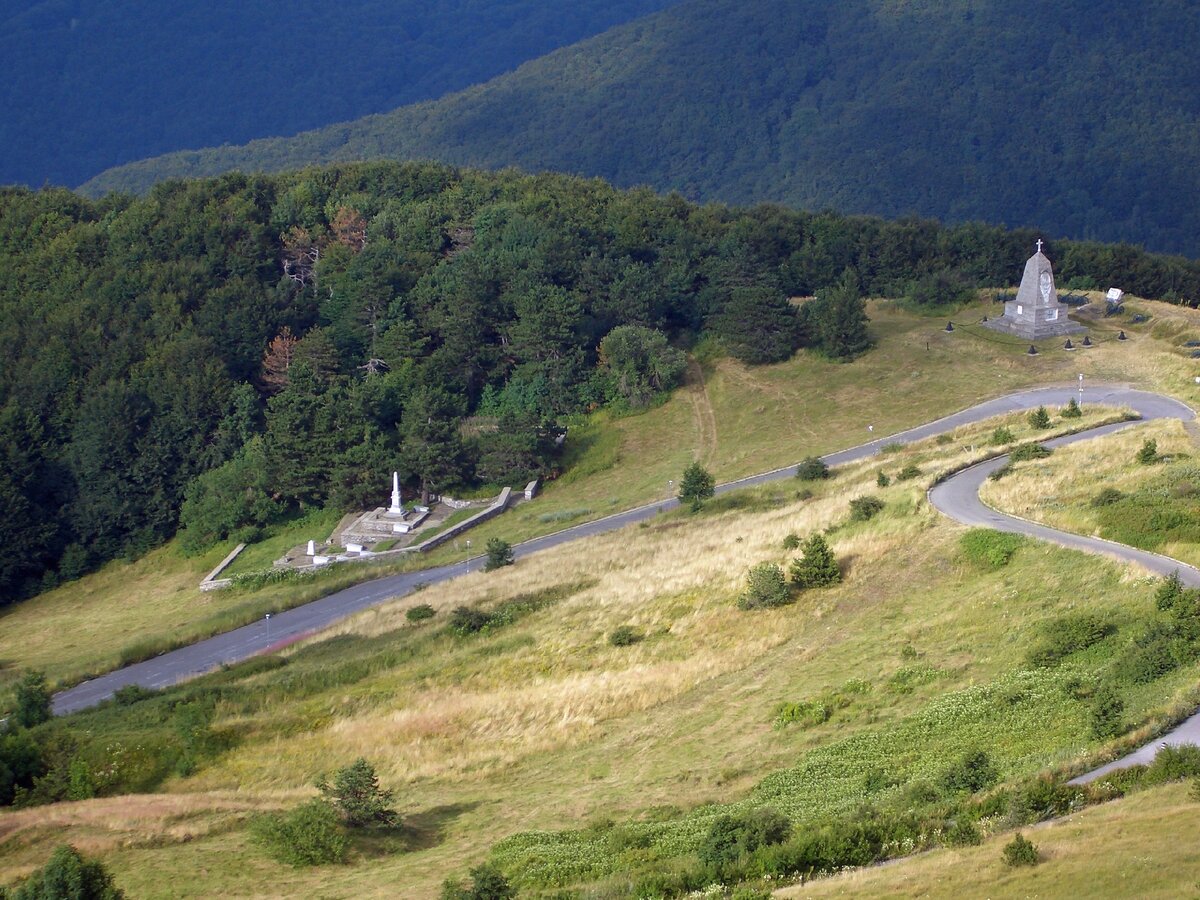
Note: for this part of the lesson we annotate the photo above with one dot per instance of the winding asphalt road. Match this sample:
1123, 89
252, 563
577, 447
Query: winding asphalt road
957, 497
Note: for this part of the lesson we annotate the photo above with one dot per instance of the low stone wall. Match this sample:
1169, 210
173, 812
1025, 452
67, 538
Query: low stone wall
480, 517
211, 582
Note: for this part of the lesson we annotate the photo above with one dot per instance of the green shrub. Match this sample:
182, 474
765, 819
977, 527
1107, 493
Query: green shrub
67, 876
812, 468
1029, 451
1071, 410
988, 548
882, 480
309, 835
499, 554
1002, 436
696, 486
865, 508
1161, 648
1105, 715
963, 833
465, 620
1020, 852
1069, 634
1042, 799
487, 883
32, 704
131, 694
792, 541
1148, 453
908, 473
1107, 497
972, 772
1169, 593
806, 713
905, 680
817, 566
356, 795
766, 588
1039, 418
1173, 764
420, 613
625, 636
730, 837
1002, 472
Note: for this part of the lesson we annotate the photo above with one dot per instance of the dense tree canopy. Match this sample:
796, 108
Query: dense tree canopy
191, 351
1080, 117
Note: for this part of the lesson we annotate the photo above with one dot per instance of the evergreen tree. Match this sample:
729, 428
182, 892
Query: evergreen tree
356, 794
1148, 454
817, 566
696, 486
758, 325
838, 317
1106, 713
499, 554
432, 447
68, 876
33, 700
1039, 418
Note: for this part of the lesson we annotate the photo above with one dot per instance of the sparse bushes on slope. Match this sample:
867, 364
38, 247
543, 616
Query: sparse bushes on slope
696, 486
817, 566
1039, 419
499, 554
812, 468
1020, 852
989, 549
66, 876
765, 588
864, 508
309, 835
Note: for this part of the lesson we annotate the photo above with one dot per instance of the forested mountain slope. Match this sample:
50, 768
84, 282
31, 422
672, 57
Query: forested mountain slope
1080, 117
234, 349
93, 83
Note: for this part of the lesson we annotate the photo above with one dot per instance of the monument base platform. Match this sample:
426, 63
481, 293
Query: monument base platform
1038, 332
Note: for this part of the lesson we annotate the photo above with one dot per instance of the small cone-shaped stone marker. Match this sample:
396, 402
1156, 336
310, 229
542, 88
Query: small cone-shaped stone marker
1068, 345
1087, 341
949, 326
985, 318
1032, 351
1121, 336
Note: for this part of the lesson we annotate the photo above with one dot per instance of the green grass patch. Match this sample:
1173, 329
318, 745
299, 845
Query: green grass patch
990, 549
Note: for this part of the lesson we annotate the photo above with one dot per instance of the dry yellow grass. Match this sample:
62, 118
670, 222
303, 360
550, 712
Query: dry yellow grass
1057, 491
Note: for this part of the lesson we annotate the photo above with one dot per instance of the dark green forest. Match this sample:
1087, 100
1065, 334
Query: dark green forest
235, 349
1081, 118
91, 84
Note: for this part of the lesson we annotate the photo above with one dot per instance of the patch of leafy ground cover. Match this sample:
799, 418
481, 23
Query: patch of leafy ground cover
1108, 848
315, 525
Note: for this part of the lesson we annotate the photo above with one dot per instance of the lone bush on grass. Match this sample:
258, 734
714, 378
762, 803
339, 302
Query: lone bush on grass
864, 508
1026, 452
817, 566
696, 486
1169, 592
1107, 497
1039, 418
625, 636
1001, 436
882, 480
356, 795
33, 701
1106, 713
766, 588
812, 468
1069, 634
1002, 472
464, 621
1071, 410
420, 613
67, 876
1020, 852
1148, 454
908, 473
309, 835
792, 541
731, 837
499, 554
487, 883
963, 833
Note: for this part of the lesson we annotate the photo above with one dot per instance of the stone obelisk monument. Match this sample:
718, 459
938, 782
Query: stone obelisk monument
1036, 313
397, 508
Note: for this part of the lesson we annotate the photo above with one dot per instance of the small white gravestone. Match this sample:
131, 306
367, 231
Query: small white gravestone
312, 548
320, 560
1115, 295
354, 548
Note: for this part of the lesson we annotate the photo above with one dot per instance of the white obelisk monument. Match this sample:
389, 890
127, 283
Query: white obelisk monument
397, 508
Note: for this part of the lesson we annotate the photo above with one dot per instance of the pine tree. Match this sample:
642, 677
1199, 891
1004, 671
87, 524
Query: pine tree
817, 566
356, 794
1039, 418
277, 360
696, 486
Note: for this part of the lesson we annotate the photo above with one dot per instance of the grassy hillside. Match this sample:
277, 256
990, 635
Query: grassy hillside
542, 725
735, 419
1080, 118
94, 84
1126, 847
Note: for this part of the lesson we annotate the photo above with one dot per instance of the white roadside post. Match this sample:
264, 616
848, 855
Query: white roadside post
1081, 390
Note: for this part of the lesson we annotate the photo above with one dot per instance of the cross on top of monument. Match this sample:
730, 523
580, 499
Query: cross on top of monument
1039, 245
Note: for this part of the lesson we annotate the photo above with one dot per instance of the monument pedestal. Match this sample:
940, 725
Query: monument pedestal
1036, 313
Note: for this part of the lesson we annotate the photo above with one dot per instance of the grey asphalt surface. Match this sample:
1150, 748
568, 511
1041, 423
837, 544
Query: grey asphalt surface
957, 497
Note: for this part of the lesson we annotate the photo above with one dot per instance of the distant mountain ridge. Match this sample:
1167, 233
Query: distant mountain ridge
1080, 118
94, 83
